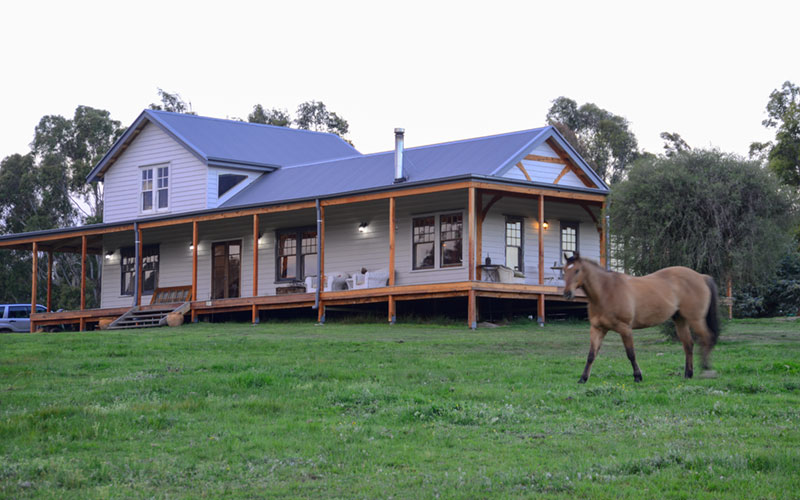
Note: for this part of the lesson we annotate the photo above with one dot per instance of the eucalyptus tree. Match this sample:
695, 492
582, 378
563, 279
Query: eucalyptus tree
602, 138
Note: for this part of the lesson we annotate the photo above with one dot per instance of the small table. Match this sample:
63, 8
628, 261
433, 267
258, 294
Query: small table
558, 272
490, 273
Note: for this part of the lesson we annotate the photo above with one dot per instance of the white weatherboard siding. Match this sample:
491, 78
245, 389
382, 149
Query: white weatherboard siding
346, 249
493, 233
153, 146
212, 200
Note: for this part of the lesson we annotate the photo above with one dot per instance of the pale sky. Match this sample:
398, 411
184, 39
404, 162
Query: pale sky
442, 70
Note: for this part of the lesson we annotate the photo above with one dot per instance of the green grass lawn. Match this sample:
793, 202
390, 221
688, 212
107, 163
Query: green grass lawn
404, 411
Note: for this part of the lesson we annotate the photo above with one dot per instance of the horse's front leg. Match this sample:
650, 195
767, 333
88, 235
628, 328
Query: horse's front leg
596, 336
627, 340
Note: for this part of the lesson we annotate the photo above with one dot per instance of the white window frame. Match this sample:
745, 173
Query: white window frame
154, 188
437, 240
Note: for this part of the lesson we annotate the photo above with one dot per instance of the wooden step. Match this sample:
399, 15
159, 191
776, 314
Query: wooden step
137, 317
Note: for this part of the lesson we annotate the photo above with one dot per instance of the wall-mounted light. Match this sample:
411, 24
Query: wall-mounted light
545, 225
362, 228
109, 255
191, 248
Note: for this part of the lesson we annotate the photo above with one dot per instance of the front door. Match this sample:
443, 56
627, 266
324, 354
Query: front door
226, 267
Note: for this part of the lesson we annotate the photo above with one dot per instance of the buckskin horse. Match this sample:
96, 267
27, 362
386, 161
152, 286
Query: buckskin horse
625, 303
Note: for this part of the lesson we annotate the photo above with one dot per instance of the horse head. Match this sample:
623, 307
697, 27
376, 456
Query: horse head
573, 277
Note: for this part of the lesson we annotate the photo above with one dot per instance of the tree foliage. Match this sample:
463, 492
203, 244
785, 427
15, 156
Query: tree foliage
783, 115
314, 115
674, 144
173, 103
602, 138
75, 146
274, 116
707, 210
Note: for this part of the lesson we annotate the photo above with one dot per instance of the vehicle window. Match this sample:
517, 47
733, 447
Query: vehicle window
41, 309
18, 311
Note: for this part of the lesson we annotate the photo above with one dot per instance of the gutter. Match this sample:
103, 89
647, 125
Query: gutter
379, 189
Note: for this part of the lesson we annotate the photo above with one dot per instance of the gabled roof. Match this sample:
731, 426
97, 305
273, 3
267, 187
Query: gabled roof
231, 143
483, 156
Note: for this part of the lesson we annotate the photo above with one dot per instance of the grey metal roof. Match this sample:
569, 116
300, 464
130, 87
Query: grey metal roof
484, 156
233, 143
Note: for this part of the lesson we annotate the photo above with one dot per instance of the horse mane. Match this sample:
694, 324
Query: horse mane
590, 263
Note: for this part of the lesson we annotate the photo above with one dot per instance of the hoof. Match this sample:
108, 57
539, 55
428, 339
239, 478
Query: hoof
637, 378
688, 374
581, 380
709, 374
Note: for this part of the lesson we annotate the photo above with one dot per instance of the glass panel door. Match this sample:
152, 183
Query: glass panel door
226, 267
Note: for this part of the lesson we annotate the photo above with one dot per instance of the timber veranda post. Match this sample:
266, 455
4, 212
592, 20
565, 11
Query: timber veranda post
391, 304
472, 312
49, 280
321, 270
83, 281
34, 280
255, 268
194, 268
540, 302
139, 248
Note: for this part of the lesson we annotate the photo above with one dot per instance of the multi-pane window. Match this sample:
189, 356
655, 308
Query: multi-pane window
424, 241
450, 239
147, 189
569, 238
297, 254
163, 187
514, 248
615, 262
442, 231
155, 188
150, 257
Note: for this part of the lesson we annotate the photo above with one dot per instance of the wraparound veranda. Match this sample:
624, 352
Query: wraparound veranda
264, 258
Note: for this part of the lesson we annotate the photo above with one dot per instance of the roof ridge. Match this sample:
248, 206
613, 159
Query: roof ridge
241, 122
492, 136
424, 146
331, 160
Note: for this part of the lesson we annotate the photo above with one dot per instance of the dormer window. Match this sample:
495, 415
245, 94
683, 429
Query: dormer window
155, 188
228, 182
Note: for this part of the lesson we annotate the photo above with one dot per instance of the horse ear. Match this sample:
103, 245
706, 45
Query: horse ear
577, 255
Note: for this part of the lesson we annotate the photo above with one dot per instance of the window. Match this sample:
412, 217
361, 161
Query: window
155, 194
226, 182
514, 241
147, 189
19, 312
150, 257
569, 238
450, 231
423, 243
615, 262
445, 231
297, 254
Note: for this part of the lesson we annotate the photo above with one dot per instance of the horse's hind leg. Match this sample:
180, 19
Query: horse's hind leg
596, 336
627, 340
685, 336
700, 328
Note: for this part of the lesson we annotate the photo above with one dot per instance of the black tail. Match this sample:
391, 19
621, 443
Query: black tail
712, 318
